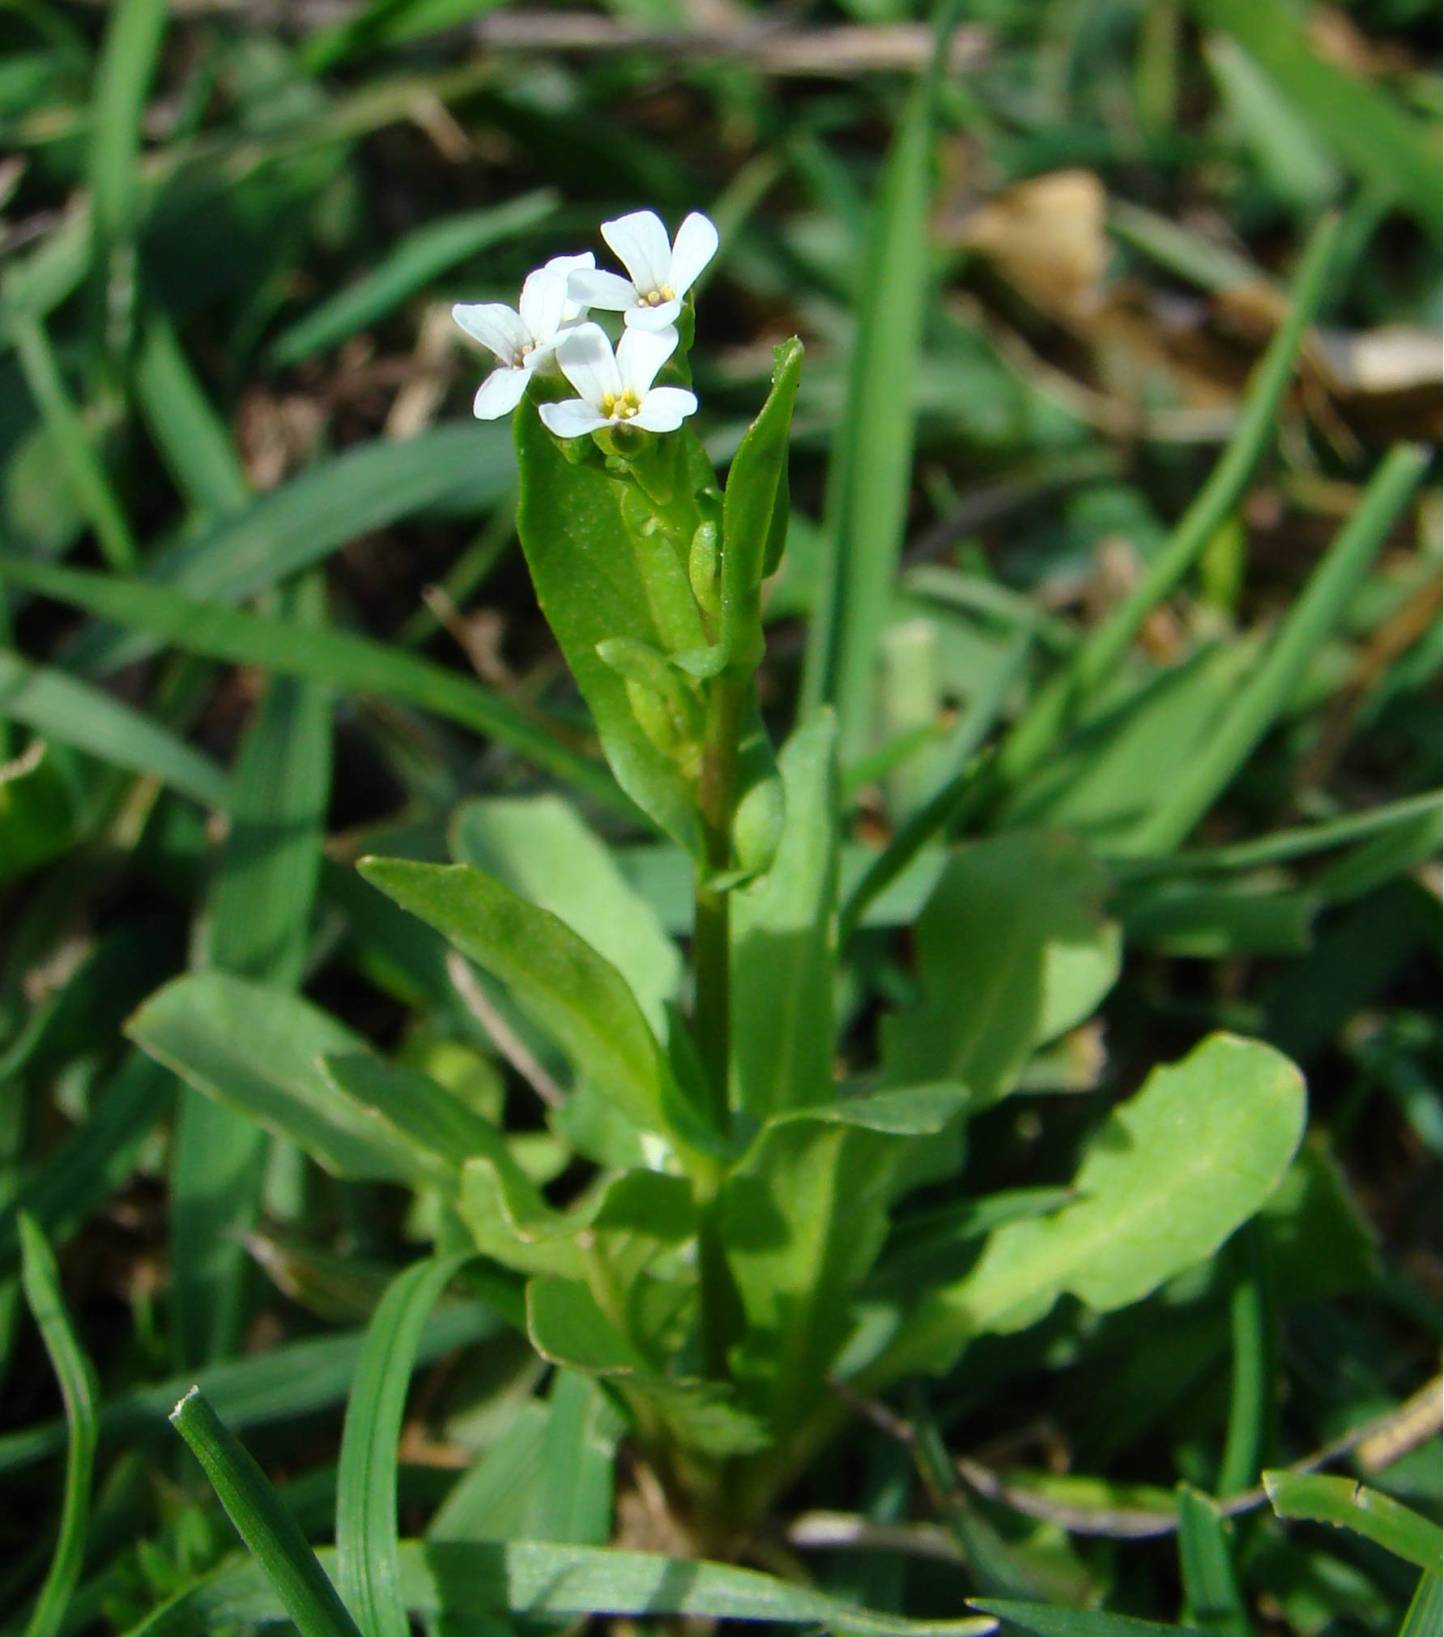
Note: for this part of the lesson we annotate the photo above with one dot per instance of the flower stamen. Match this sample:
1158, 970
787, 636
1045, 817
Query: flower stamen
620, 406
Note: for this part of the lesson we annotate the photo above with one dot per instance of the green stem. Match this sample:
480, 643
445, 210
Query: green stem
716, 798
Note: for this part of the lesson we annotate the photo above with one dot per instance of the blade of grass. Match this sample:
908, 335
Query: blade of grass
259, 922
192, 439
1331, 588
1350, 1505
368, 1567
870, 473
419, 258
1054, 706
63, 708
298, 1378
1210, 1586
1047, 1621
127, 64
349, 663
1422, 1617
1250, 1409
91, 487
41, 1280
262, 1521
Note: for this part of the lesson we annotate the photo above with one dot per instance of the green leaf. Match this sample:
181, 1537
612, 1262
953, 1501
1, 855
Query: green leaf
368, 1568
577, 1461
575, 996
755, 498
567, 1326
295, 1577
537, 1579
1046, 1621
74, 713
1348, 1504
40, 807
1169, 1176
1421, 1619
1012, 949
288, 646
191, 436
258, 1050
584, 567
783, 953
871, 472
40, 1278
1210, 1585
541, 849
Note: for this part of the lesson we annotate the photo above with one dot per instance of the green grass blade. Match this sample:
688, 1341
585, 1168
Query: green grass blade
127, 63
298, 1378
1251, 1386
41, 1280
368, 1567
1047, 1621
871, 470
1210, 1586
1048, 717
72, 712
262, 1521
1349, 1505
1422, 1618
421, 257
1331, 588
91, 487
349, 663
1361, 124
192, 438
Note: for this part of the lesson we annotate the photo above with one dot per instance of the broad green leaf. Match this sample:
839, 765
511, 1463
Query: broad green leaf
1368, 1512
541, 849
258, 1050
40, 807
782, 968
584, 567
537, 1579
368, 1569
1012, 949
1169, 1176
1321, 1242
40, 1278
295, 1577
74, 713
568, 1326
570, 992
898, 1111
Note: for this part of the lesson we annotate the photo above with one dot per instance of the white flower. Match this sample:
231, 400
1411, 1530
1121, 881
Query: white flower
616, 389
662, 273
526, 340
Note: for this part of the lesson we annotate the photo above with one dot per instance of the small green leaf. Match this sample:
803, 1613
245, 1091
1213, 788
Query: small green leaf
1046, 1621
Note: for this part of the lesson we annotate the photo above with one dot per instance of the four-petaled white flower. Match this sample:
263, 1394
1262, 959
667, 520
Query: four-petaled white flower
523, 340
662, 273
616, 388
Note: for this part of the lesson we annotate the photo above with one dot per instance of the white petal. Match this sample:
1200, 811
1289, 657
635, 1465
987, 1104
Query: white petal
571, 418
640, 354
571, 264
609, 291
585, 356
566, 266
654, 318
543, 297
695, 246
499, 393
496, 326
640, 242
664, 409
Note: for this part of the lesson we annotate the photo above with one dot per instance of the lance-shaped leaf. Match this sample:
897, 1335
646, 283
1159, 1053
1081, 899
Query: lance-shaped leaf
575, 996
1169, 1176
1013, 949
782, 941
591, 589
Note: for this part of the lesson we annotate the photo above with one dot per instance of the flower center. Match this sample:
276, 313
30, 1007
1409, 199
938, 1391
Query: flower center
620, 406
659, 297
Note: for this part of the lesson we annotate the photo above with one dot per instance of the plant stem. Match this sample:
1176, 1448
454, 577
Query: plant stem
716, 797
